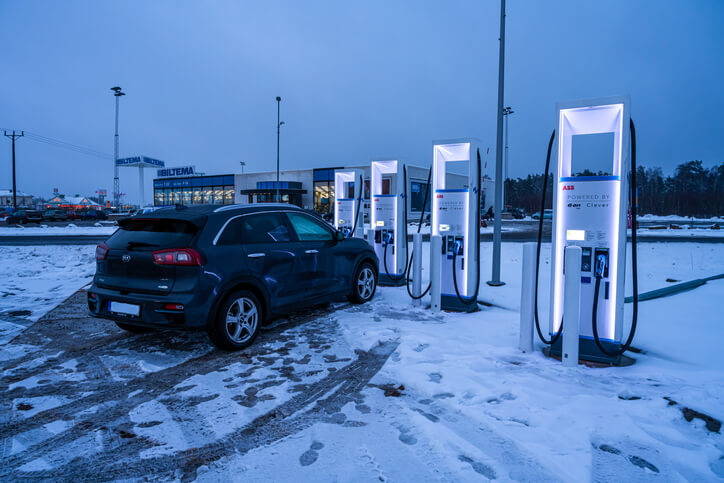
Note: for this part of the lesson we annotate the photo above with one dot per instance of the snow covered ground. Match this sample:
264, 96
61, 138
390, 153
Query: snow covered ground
474, 406
100, 229
454, 401
34, 279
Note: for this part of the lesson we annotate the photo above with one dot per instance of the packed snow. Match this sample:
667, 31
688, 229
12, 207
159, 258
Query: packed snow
99, 229
455, 401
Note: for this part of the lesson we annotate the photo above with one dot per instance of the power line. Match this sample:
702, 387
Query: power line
66, 145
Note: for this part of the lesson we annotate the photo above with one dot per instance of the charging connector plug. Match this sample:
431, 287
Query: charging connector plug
601, 263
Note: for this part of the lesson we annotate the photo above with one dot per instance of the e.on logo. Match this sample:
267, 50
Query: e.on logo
568, 187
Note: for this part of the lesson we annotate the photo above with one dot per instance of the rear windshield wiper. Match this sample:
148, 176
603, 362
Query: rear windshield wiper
131, 245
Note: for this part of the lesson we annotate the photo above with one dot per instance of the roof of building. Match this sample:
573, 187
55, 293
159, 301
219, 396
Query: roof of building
10, 193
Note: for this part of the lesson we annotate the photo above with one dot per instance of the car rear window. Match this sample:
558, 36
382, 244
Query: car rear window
152, 234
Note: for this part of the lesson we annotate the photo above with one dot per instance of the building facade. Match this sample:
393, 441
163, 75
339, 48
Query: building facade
311, 189
24, 200
194, 190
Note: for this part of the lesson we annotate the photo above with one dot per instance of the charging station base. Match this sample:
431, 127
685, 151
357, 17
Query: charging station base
386, 281
591, 360
452, 303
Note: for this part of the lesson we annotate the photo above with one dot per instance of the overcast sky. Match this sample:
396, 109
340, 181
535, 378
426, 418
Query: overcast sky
358, 79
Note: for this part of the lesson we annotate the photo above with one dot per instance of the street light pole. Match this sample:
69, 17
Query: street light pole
13, 137
117, 93
279, 125
497, 208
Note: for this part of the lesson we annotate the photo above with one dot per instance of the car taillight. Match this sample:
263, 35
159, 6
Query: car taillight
101, 251
174, 307
177, 256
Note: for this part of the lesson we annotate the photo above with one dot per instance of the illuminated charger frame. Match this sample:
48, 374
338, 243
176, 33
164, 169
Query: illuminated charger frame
593, 116
377, 169
347, 176
451, 150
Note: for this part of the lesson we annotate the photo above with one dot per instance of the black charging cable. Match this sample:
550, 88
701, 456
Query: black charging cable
634, 264
395, 278
359, 203
419, 227
474, 299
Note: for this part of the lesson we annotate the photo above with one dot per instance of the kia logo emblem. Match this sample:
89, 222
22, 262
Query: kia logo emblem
126, 258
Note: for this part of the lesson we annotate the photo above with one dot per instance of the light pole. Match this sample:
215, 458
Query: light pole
497, 208
279, 125
117, 93
506, 112
242, 163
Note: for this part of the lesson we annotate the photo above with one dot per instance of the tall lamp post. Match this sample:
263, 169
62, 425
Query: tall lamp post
279, 125
506, 112
242, 163
497, 208
117, 93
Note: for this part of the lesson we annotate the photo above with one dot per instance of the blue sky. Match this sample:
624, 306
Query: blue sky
359, 80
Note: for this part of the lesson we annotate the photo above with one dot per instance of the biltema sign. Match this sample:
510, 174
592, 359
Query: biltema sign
141, 161
173, 172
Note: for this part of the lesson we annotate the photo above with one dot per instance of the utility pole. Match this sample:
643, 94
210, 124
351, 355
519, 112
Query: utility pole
279, 125
506, 112
14, 136
117, 93
497, 225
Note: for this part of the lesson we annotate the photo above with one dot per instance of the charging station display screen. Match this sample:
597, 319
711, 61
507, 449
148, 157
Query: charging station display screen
592, 154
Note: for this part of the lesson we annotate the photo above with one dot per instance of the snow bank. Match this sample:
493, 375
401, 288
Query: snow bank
71, 229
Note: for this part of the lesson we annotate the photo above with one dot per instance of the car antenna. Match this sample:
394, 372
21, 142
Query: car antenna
180, 206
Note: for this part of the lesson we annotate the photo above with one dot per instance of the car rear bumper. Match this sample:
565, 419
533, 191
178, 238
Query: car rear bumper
153, 309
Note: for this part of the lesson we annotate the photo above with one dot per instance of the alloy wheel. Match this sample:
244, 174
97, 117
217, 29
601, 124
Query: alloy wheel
365, 283
242, 319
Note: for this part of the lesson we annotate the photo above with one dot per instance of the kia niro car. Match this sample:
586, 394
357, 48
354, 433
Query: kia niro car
225, 269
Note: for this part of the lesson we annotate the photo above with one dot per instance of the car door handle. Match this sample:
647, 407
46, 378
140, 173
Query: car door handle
257, 255
311, 251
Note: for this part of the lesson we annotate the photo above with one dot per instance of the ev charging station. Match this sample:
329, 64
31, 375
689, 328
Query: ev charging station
348, 212
387, 219
455, 218
591, 212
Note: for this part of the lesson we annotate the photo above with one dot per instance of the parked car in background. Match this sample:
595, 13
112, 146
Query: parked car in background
547, 215
55, 215
22, 217
75, 215
225, 269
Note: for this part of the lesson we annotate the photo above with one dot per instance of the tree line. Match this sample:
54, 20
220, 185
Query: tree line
692, 190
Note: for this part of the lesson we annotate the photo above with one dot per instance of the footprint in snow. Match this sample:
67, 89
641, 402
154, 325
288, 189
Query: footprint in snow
310, 456
479, 468
435, 377
421, 347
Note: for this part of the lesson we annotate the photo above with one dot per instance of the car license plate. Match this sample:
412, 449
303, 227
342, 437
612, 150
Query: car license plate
125, 309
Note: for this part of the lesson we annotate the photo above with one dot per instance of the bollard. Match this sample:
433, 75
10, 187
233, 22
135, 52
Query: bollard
435, 256
527, 292
571, 306
417, 268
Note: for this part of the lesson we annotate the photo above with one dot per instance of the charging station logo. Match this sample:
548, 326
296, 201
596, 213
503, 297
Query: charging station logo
568, 187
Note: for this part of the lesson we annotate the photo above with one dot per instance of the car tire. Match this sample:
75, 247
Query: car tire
136, 329
364, 284
237, 322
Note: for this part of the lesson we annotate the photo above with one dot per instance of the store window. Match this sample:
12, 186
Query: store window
218, 195
228, 195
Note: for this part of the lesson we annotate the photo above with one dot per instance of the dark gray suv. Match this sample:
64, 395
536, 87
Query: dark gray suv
225, 269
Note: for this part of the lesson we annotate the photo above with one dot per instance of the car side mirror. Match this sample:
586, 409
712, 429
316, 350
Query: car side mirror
339, 236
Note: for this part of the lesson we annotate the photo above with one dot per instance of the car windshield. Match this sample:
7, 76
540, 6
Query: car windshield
152, 233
